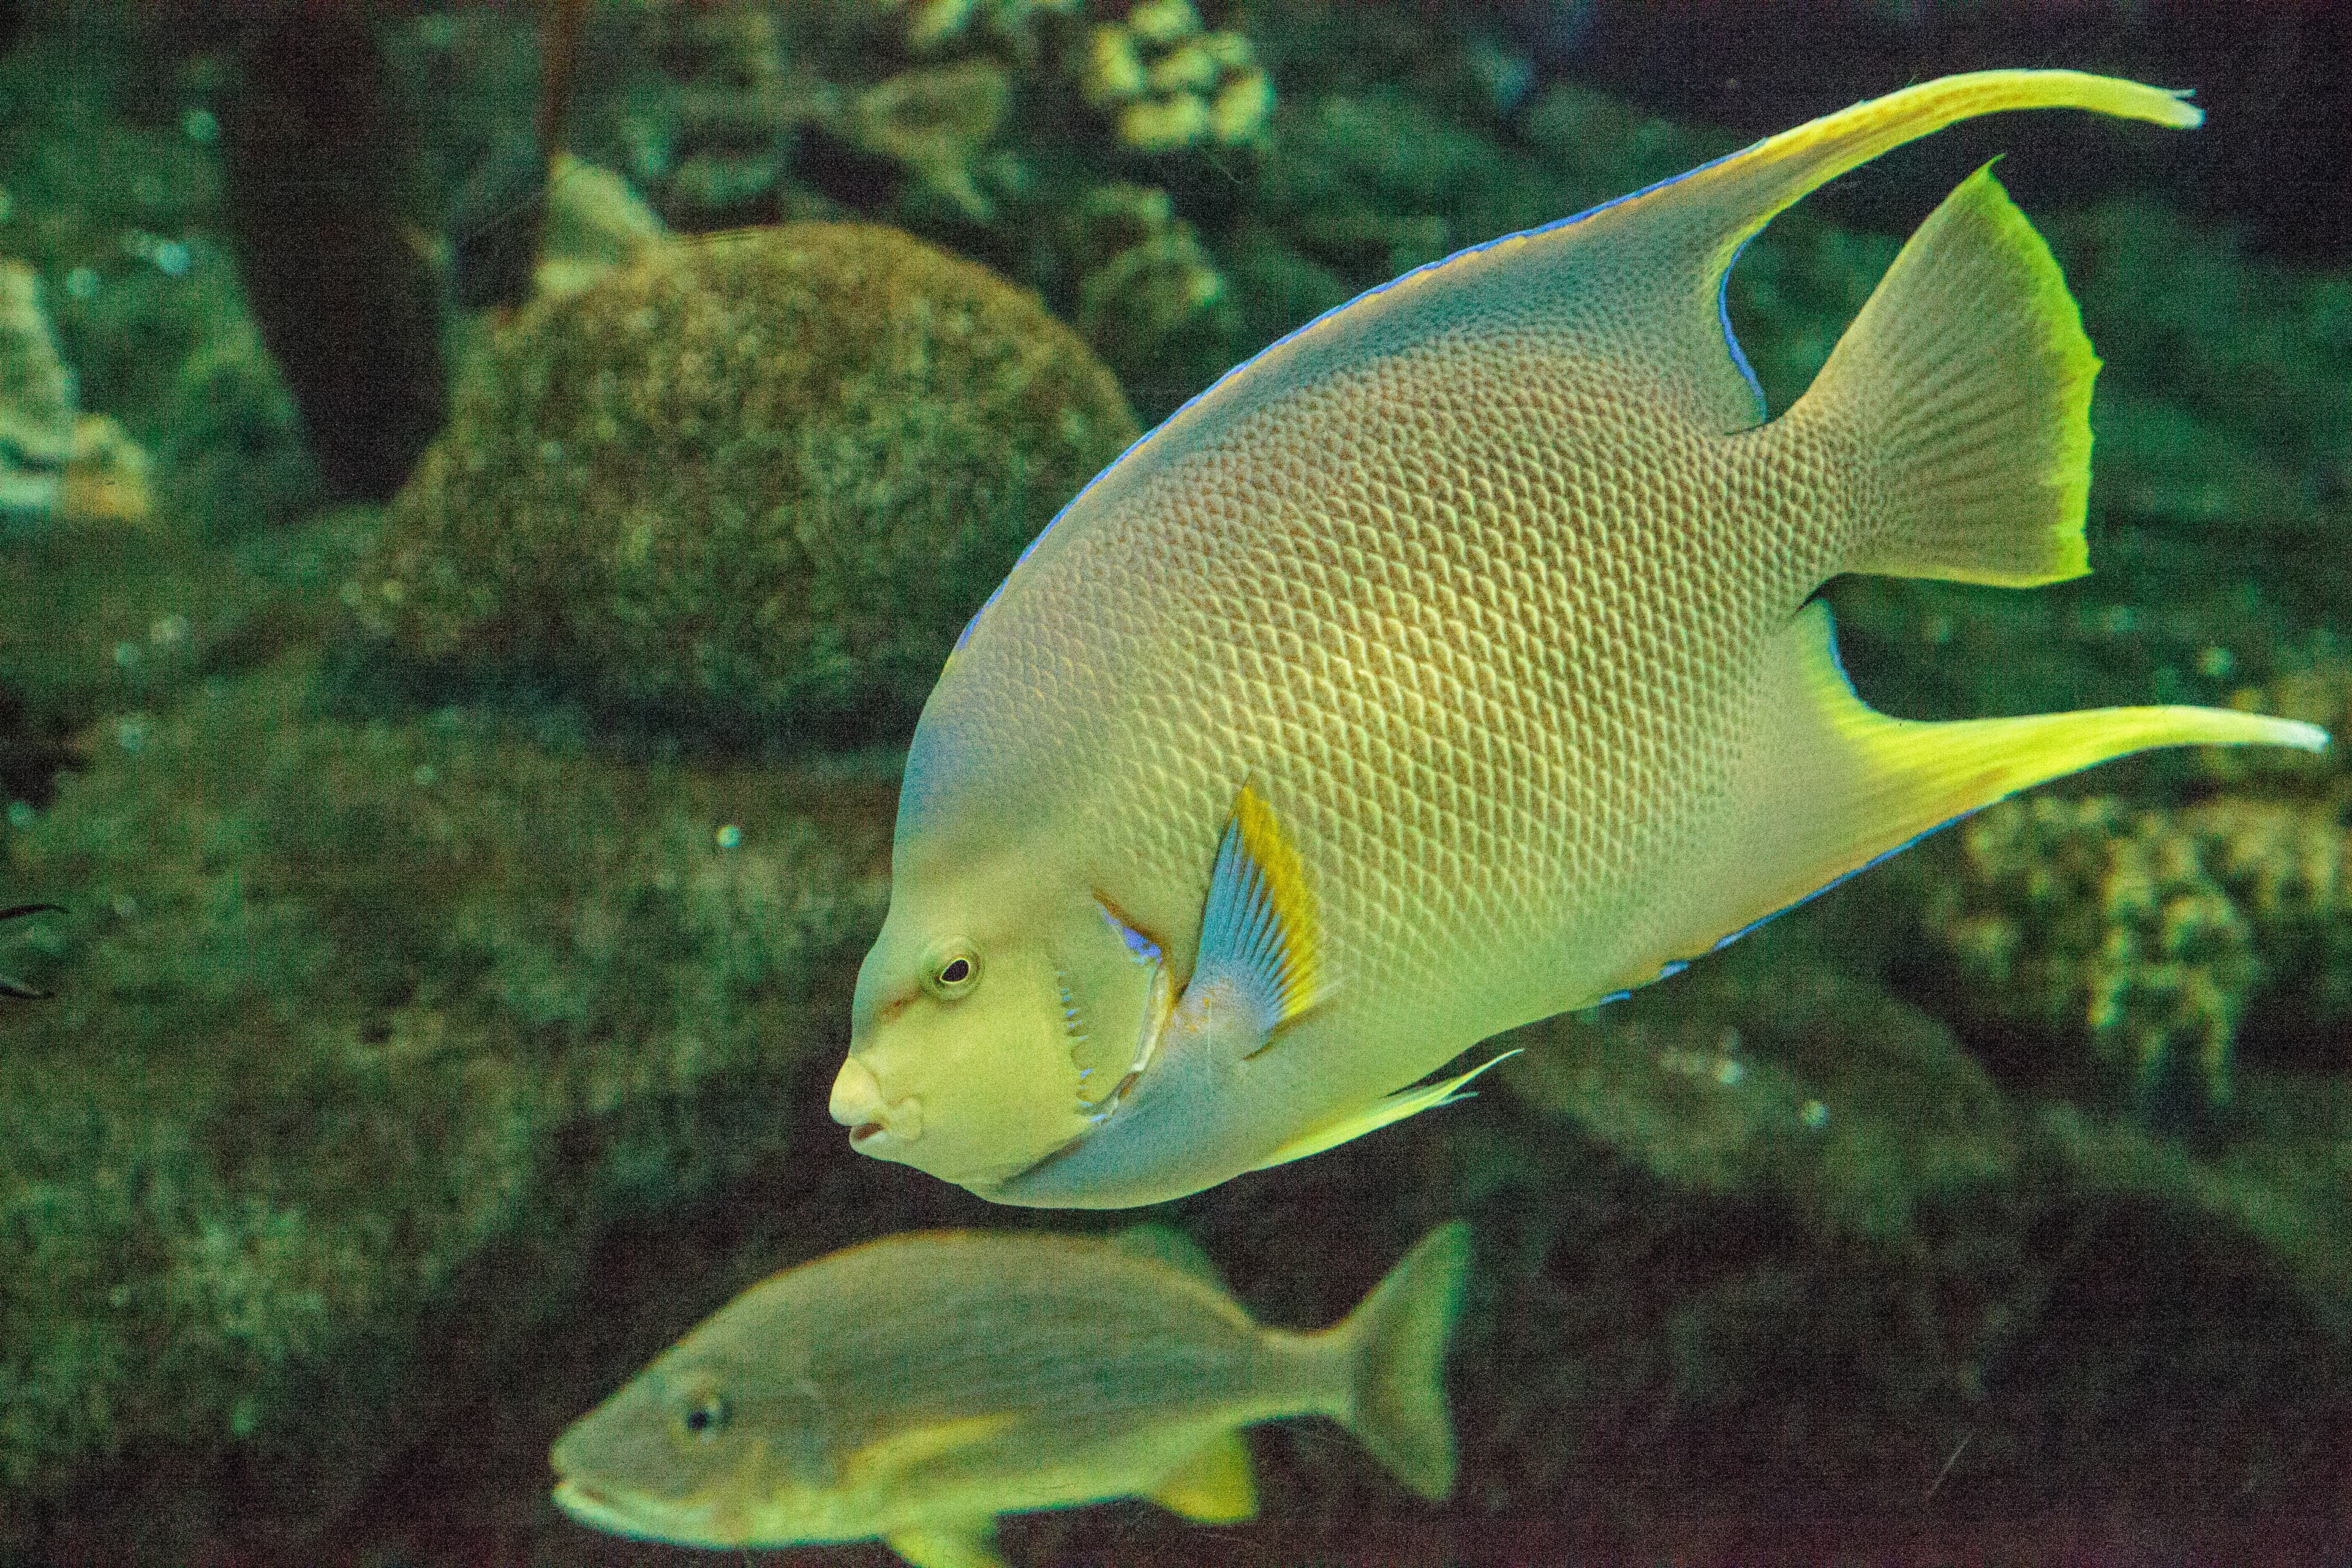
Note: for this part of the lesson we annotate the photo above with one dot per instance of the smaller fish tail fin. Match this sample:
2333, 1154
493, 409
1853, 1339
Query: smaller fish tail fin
1394, 1342
1834, 785
1964, 388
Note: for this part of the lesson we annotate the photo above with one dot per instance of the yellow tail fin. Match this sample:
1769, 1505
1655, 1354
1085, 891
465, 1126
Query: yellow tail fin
1964, 384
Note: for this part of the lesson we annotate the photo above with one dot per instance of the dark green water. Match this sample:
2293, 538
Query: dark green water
455, 658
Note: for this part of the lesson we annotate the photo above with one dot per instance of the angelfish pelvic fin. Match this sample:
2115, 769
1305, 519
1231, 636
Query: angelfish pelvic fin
1396, 1107
1260, 934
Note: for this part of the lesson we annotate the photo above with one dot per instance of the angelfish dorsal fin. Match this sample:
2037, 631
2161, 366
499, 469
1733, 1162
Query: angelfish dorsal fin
1638, 280
1259, 931
1675, 241
1216, 1486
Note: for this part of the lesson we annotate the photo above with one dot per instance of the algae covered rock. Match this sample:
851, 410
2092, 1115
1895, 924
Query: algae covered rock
755, 482
2087, 921
1826, 1245
2157, 936
358, 1026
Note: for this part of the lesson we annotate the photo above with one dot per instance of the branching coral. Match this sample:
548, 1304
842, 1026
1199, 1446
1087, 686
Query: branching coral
1168, 83
2087, 919
1151, 298
36, 405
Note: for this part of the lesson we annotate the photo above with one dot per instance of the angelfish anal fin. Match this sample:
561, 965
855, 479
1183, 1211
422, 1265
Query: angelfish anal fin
1396, 1107
948, 1543
1216, 1486
1261, 938
1833, 786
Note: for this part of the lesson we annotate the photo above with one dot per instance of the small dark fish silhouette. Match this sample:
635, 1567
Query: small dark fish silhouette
11, 987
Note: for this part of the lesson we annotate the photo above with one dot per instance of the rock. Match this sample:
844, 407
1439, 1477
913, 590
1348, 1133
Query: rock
344, 1008
751, 485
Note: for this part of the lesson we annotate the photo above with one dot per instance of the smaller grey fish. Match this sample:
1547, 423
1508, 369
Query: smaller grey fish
914, 1387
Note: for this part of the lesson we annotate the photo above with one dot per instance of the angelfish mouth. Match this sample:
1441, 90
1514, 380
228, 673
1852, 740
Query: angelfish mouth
857, 1103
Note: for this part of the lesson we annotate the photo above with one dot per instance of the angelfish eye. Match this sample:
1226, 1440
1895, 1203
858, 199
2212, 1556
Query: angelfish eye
955, 971
705, 1417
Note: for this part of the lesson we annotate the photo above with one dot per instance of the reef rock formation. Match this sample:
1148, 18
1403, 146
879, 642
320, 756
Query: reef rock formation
756, 481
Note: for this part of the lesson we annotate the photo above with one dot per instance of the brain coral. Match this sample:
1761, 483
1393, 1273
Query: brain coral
750, 481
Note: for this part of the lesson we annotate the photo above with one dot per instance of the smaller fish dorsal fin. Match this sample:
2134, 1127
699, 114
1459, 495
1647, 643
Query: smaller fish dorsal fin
1216, 1486
1171, 1247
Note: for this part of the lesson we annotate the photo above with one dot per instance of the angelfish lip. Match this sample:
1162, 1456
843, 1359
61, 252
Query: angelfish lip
857, 1104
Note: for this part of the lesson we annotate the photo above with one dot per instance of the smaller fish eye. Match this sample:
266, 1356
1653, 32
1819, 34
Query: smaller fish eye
707, 1416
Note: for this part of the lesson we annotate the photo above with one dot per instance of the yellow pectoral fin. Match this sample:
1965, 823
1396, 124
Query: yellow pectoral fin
1216, 1486
958, 1543
1396, 1107
898, 1452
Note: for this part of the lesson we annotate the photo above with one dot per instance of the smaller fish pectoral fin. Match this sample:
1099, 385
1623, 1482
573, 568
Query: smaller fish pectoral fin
1167, 1246
891, 1457
1216, 1486
1396, 1107
948, 1543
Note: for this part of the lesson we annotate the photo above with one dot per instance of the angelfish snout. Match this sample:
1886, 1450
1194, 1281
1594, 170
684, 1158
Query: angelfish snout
857, 1104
